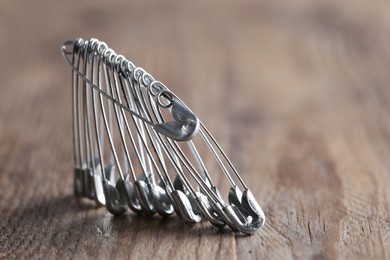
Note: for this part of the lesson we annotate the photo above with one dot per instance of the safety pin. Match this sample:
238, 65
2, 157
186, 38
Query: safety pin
157, 145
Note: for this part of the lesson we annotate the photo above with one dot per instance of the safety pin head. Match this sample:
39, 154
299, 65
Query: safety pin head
115, 203
184, 208
250, 204
162, 202
185, 124
88, 184
126, 189
97, 185
242, 222
244, 212
208, 211
246, 201
144, 197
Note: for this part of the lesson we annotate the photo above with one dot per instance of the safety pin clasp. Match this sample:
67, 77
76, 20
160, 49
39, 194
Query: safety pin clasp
244, 212
185, 124
115, 202
127, 190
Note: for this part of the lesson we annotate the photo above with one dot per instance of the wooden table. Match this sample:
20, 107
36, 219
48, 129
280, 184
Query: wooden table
297, 93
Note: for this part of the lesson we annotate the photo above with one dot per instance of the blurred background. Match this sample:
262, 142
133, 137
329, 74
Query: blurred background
287, 87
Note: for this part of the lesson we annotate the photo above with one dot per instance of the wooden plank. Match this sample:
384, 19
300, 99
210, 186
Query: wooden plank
297, 93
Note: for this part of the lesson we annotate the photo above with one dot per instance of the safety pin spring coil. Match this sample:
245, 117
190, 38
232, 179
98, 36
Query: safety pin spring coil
138, 146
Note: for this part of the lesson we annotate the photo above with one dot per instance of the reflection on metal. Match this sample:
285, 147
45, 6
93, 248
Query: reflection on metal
138, 146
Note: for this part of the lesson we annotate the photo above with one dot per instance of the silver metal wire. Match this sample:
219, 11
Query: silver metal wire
138, 146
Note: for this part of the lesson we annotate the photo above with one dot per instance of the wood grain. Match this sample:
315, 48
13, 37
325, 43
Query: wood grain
296, 92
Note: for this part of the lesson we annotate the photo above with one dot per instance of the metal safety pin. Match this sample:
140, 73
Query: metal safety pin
181, 202
244, 211
234, 217
87, 182
161, 200
115, 203
136, 193
81, 175
198, 202
244, 214
155, 142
